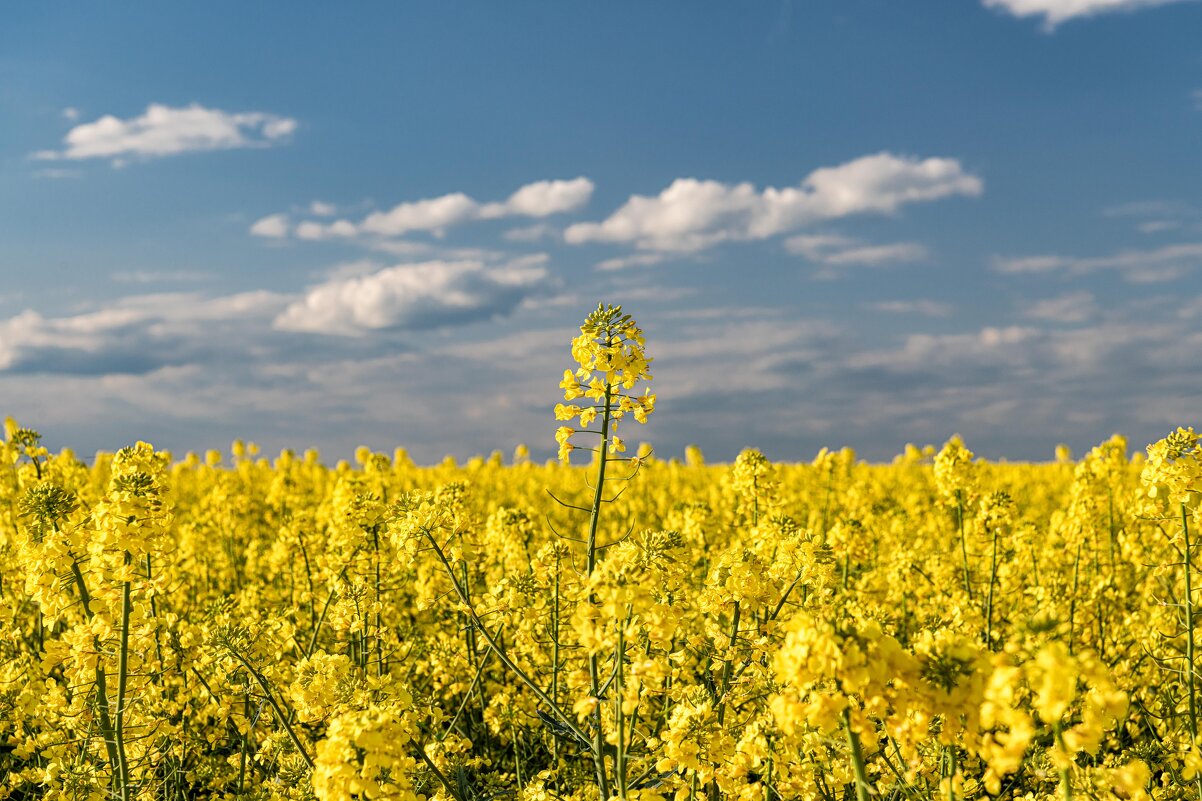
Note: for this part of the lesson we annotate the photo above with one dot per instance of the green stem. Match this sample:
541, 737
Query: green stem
594, 672
1066, 785
122, 680
555, 668
567, 720
1189, 628
857, 757
154, 612
261, 680
1113, 534
375, 542
963, 543
619, 716
102, 696
325, 610
734, 638
438, 774
989, 601
1072, 605
951, 773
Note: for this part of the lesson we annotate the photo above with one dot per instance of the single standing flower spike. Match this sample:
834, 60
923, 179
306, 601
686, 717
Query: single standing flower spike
612, 359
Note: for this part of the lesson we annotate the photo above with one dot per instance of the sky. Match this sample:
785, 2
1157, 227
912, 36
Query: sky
840, 222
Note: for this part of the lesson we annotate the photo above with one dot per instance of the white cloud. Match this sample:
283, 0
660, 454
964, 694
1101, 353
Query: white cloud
133, 335
1158, 216
1137, 266
636, 260
410, 296
1055, 12
542, 199
144, 333
531, 233
1191, 309
315, 231
925, 308
320, 208
691, 215
435, 215
273, 226
57, 172
165, 131
1157, 226
70, 113
1075, 307
834, 250
159, 276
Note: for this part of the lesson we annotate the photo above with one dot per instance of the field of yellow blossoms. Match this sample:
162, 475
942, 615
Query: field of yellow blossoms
610, 625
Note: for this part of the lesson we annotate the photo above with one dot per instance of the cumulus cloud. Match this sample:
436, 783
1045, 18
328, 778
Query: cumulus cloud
542, 199
1075, 307
531, 233
160, 276
635, 260
137, 334
414, 296
923, 307
691, 215
273, 226
143, 333
166, 131
435, 215
1055, 12
837, 251
1137, 266
1158, 216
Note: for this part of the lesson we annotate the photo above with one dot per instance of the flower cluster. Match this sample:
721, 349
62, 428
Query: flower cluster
610, 352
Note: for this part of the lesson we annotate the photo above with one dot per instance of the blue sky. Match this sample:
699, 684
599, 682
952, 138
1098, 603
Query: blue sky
858, 223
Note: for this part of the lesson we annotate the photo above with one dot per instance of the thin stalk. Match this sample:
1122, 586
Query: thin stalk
568, 720
122, 681
102, 697
989, 600
309, 577
467, 696
1066, 785
857, 757
1072, 606
275, 706
826, 501
951, 773
619, 716
154, 612
594, 672
755, 501
1189, 631
1113, 533
517, 754
325, 610
963, 543
451, 789
731, 642
375, 543
555, 668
